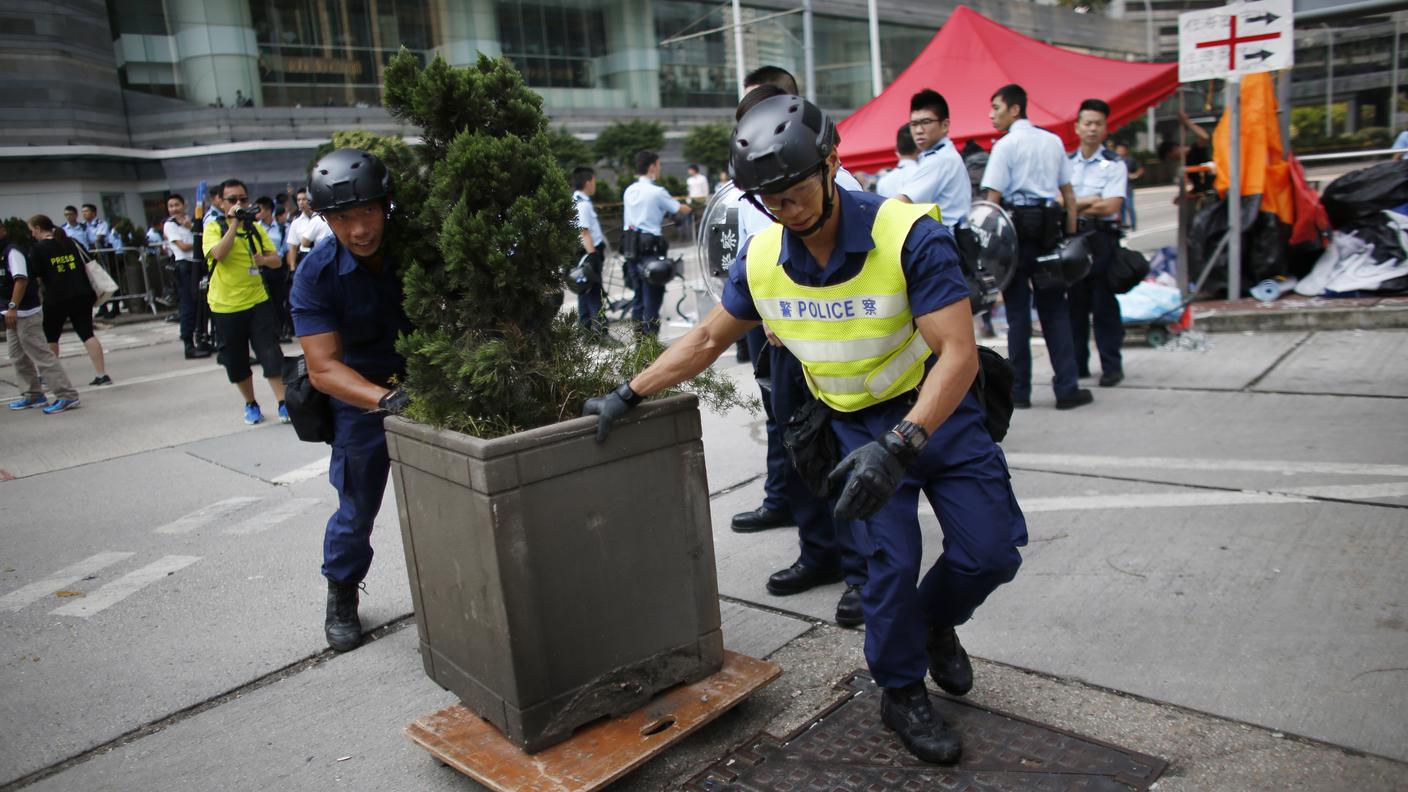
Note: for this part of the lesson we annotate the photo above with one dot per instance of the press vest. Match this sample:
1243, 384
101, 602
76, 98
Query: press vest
856, 340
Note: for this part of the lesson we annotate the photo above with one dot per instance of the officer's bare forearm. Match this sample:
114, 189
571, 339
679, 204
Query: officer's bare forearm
268, 260
693, 353
323, 356
1069, 196
993, 196
587, 241
949, 332
1100, 207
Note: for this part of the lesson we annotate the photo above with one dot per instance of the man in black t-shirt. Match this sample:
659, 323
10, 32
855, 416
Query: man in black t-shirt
24, 331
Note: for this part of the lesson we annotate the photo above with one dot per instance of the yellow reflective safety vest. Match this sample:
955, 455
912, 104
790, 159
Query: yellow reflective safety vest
856, 340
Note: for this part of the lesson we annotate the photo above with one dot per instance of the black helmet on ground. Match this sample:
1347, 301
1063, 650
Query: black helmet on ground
657, 270
778, 143
347, 177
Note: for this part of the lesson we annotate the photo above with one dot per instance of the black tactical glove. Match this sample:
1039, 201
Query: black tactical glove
394, 402
610, 407
870, 475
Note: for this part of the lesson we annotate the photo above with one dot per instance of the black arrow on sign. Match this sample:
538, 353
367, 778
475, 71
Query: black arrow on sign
1268, 18
1261, 56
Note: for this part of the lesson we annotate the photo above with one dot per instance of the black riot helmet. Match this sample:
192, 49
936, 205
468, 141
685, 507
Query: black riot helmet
347, 177
658, 270
779, 142
1068, 263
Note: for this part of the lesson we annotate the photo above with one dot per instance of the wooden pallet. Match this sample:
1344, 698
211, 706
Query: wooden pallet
599, 753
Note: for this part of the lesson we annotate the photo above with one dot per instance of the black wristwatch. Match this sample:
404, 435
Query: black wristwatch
630, 397
912, 439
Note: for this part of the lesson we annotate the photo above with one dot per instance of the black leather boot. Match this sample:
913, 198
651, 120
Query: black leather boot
848, 612
761, 519
798, 578
907, 712
948, 662
343, 628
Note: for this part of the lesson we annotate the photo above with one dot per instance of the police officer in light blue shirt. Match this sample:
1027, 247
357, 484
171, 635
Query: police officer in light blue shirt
593, 241
1027, 170
940, 177
75, 229
1100, 179
646, 204
907, 154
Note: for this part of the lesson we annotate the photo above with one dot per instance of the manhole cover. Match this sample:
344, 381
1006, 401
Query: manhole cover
846, 748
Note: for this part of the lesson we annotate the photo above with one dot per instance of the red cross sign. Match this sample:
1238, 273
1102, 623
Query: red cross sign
1258, 37
1232, 41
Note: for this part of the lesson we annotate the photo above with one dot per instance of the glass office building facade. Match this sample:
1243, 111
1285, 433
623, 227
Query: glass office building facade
597, 54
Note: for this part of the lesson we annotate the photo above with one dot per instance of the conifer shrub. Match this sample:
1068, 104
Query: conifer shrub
484, 230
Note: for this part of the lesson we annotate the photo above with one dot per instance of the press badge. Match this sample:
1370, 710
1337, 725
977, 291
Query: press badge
254, 270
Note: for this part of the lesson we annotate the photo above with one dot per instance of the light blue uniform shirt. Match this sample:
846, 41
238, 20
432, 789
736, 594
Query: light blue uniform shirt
1104, 175
1401, 142
889, 184
646, 204
751, 220
942, 179
78, 232
276, 235
98, 227
586, 217
1027, 165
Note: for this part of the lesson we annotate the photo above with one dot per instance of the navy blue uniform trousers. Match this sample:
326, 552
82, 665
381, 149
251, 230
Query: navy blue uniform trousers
358, 471
775, 484
1092, 295
825, 542
1055, 329
964, 475
646, 301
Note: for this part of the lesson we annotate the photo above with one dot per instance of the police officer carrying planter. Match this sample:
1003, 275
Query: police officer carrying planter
346, 306
646, 204
866, 293
1027, 170
1100, 180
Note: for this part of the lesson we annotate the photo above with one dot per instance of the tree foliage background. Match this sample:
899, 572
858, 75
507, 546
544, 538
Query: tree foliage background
708, 145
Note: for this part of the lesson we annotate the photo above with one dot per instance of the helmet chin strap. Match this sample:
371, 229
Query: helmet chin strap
828, 205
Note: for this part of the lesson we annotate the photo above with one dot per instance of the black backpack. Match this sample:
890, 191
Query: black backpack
993, 390
1127, 269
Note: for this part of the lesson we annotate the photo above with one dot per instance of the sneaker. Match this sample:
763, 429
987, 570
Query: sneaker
283, 414
252, 414
60, 405
101, 379
25, 402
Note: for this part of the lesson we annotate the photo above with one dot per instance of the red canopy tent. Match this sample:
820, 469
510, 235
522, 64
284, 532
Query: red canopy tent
971, 57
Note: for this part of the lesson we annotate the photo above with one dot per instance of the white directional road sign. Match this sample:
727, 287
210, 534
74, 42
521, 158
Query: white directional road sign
1237, 39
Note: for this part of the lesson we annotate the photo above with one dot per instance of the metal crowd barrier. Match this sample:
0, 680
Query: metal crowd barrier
141, 275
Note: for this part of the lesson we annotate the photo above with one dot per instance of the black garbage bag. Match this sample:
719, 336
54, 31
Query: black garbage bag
1264, 239
1365, 192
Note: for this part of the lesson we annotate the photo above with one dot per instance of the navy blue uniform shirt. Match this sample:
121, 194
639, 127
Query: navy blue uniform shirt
333, 293
933, 278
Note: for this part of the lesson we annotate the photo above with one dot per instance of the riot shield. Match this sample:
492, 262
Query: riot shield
997, 241
718, 237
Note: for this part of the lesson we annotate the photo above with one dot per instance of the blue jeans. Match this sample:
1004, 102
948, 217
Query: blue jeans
963, 474
358, 471
1127, 211
1055, 329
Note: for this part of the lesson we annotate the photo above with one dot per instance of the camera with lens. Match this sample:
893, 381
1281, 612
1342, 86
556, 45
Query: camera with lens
247, 213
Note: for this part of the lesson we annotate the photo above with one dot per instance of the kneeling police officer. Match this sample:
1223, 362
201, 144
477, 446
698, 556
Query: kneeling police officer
346, 306
866, 292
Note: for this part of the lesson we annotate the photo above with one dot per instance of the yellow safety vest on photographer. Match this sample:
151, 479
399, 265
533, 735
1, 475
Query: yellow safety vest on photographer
856, 340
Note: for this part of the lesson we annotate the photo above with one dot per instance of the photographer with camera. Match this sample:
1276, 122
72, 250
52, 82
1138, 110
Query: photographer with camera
240, 308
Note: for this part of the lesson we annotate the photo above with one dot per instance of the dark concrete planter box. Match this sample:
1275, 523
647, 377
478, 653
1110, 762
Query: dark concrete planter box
555, 580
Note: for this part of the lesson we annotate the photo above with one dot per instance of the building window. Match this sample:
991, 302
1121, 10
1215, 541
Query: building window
554, 46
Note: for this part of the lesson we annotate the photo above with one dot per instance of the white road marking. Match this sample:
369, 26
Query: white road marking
311, 470
124, 587
21, 597
1154, 500
165, 375
1392, 489
1152, 230
266, 520
206, 514
1284, 467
